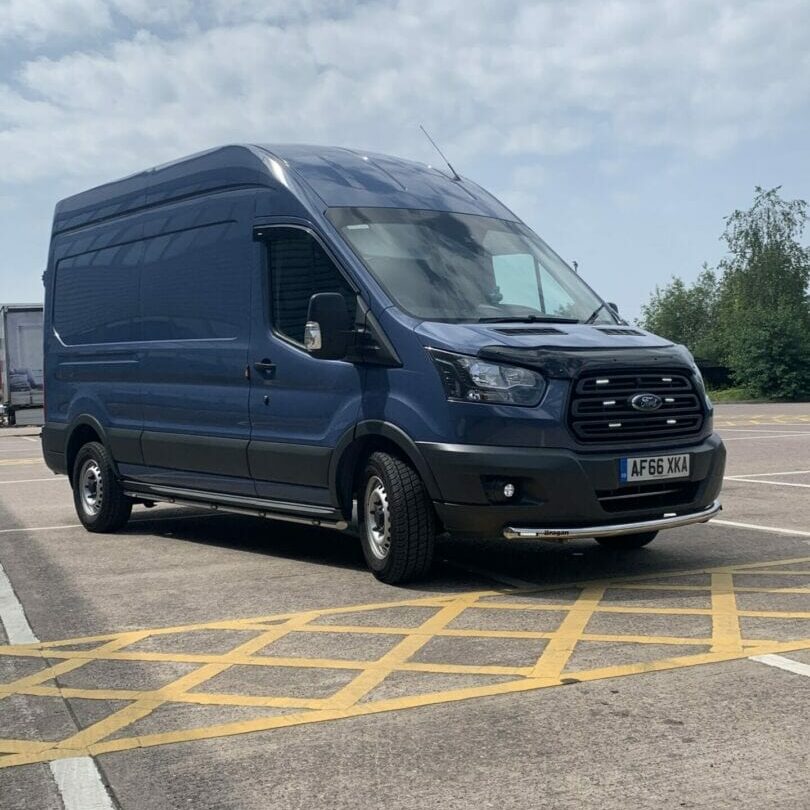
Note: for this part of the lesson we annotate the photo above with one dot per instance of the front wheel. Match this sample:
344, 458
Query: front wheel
100, 502
397, 523
627, 542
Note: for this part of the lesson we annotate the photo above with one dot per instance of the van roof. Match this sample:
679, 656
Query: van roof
334, 175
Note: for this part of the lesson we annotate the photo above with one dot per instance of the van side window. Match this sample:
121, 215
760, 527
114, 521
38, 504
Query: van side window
96, 296
299, 268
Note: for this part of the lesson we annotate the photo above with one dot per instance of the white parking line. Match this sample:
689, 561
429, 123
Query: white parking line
12, 615
781, 662
766, 474
77, 779
766, 436
772, 529
770, 483
757, 430
79, 783
32, 480
763, 424
42, 528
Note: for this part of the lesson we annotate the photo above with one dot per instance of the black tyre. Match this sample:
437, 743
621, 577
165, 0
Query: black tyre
100, 502
397, 523
627, 542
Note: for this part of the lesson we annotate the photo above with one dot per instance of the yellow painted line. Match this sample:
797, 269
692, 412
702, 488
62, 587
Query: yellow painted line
673, 611
363, 684
9, 462
725, 619
775, 614
707, 588
560, 647
201, 698
21, 747
795, 573
762, 420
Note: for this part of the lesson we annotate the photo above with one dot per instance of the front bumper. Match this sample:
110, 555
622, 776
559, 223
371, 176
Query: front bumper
670, 521
562, 490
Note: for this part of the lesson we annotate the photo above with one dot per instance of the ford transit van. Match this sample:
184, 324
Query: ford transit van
296, 332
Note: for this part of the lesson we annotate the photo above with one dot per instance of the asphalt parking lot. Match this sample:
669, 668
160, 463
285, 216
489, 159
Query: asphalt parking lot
214, 661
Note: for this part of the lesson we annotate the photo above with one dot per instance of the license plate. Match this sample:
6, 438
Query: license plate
653, 468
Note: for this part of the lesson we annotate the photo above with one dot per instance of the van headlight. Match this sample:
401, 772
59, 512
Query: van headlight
469, 379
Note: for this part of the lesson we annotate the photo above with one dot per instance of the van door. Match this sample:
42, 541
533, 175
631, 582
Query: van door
300, 406
195, 292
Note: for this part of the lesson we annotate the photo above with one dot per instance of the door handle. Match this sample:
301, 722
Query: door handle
266, 366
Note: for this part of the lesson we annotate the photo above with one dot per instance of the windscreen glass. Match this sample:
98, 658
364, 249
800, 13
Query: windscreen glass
442, 266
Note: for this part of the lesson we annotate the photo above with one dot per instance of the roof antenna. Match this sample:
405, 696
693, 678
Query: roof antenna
449, 164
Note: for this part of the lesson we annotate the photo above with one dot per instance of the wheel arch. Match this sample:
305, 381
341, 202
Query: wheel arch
357, 445
83, 429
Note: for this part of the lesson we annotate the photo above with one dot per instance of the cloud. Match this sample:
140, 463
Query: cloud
35, 21
512, 80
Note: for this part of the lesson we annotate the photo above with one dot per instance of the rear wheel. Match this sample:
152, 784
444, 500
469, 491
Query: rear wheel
397, 524
627, 542
99, 499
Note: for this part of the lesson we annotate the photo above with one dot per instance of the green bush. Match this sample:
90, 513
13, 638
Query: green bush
769, 355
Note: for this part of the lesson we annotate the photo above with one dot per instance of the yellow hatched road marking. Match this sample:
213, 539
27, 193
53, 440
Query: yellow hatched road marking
569, 619
559, 649
364, 683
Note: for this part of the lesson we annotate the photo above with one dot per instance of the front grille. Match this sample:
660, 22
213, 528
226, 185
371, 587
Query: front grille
647, 496
600, 410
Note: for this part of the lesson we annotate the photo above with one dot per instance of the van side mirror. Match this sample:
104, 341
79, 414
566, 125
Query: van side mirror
613, 306
326, 334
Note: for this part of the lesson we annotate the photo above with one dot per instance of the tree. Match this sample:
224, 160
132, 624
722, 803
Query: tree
686, 314
753, 315
763, 309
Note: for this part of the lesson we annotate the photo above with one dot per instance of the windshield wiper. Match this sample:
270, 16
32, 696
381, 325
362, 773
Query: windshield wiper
592, 317
526, 319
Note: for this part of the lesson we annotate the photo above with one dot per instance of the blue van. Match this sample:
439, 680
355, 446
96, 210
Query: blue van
288, 331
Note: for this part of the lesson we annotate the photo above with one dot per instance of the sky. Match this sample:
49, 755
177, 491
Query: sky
622, 131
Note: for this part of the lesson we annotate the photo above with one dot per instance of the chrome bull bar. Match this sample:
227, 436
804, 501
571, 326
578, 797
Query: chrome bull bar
669, 520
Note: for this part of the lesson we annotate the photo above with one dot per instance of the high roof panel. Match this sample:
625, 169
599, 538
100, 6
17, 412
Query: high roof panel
338, 176
217, 169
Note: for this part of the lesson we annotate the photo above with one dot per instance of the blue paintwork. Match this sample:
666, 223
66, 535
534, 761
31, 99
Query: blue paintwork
190, 299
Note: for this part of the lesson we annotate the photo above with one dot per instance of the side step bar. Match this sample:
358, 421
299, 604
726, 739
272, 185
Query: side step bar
668, 521
323, 516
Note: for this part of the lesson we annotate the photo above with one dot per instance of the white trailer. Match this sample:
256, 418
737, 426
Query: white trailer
21, 378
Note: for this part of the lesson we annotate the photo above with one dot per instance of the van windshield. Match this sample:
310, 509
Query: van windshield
442, 266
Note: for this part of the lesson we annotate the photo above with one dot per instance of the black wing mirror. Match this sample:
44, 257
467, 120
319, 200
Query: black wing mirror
613, 307
326, 334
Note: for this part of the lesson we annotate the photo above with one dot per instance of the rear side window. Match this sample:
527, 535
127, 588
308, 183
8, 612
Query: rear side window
299, 268
96, 296
196, 283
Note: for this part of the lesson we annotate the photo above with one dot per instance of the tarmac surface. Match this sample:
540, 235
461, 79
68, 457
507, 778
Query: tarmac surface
212, 661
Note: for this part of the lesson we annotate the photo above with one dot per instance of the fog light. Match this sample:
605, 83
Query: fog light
509, 490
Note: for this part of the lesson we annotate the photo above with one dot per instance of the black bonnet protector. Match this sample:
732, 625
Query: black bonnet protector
562, 362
